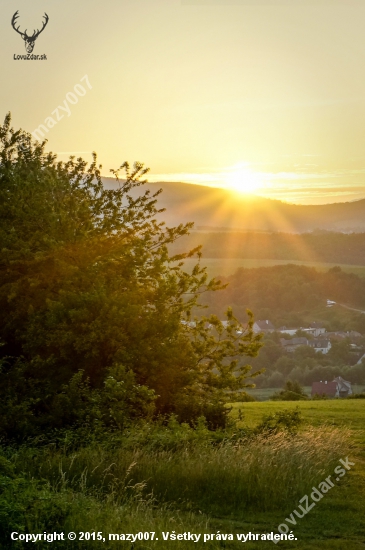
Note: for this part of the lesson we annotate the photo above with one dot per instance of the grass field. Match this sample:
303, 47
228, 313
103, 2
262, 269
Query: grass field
338, 521
336, 412
238, 486
228, 266
264, 394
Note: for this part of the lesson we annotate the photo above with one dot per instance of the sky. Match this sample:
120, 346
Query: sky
261, 96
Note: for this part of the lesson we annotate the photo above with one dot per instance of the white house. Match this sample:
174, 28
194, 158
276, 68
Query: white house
320, 346
263, 326
343, 387
316, 329
290, 331
294, 343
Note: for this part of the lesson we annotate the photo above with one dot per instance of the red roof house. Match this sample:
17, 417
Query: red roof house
326, 388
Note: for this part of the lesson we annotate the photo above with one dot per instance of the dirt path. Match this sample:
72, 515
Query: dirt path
352, 308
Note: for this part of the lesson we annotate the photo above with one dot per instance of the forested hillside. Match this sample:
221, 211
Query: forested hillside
317, 246
294, 296
288, 293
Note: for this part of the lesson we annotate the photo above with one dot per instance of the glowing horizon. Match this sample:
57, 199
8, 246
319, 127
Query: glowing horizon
291, 187
264, 100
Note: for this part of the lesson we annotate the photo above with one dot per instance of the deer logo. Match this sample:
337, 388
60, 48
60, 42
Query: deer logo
29, 41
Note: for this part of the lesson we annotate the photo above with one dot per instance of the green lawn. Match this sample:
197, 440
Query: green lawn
228, 266
337, 522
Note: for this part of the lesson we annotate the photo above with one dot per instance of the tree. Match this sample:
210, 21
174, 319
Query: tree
341, 352
284, 364
87, 285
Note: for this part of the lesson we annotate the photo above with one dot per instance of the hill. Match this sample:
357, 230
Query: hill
315, 247
219, 208
287, 294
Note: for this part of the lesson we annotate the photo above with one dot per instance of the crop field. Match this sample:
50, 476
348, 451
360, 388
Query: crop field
228, 266
337, 521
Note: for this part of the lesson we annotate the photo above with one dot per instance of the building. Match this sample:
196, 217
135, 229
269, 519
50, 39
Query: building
316, 329
339, 335
290, 331
324, 388
338, 388
263, 326
320, 346
343, 387
294, 343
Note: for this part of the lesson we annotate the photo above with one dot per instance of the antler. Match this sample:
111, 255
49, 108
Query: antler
13, 21
44, 25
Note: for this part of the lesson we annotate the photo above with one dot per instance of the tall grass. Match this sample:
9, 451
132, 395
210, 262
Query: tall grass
265, 472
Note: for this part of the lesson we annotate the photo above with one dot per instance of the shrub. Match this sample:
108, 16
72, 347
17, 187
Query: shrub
356, 396
292, 392
318, 396
245, 397
281, 421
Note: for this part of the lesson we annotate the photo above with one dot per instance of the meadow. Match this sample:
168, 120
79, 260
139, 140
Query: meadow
321, 528
173, 478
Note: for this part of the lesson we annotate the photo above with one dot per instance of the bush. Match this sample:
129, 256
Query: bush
245, 397
287, 421
28, 503
288, 396
356, 396
292, 392
318, 396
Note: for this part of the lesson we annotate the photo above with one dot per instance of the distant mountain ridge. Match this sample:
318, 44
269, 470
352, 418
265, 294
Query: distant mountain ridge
218, 208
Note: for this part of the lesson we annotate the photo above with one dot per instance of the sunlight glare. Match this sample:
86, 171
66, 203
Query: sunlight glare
240, 178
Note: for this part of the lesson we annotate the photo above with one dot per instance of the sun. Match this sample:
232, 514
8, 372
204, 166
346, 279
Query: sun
240, 178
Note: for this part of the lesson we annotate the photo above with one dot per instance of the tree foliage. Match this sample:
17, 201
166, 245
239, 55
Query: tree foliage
93, 305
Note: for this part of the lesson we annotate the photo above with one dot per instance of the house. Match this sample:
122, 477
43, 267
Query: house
320, 346
324, 388
343, 387
338, 388
263, 326
294, 343
354, 335
290, 331
339, 335
316, 329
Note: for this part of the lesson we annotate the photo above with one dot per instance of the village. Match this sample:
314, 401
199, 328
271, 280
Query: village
315, 336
